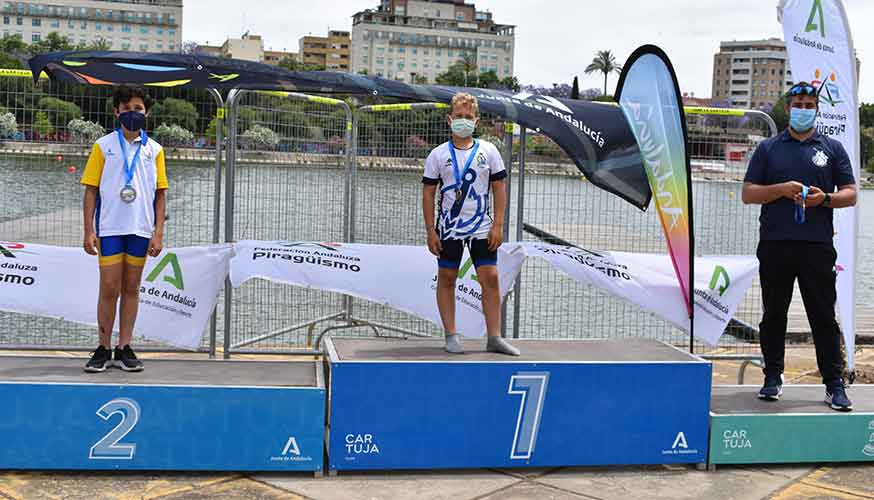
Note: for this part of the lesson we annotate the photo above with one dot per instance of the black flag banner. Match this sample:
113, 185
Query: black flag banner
596, 136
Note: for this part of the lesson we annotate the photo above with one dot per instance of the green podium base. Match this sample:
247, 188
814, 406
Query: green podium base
799, 428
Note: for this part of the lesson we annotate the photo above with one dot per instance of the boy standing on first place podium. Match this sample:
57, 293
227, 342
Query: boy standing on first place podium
467, 171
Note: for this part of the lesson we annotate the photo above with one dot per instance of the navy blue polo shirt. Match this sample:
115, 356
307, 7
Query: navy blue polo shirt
819, 161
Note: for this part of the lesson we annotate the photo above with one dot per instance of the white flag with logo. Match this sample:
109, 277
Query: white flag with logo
649, 281
820, 46
178, 291
403, 277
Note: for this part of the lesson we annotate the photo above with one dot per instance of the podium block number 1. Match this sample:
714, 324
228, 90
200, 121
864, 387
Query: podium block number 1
532, 387
108, 448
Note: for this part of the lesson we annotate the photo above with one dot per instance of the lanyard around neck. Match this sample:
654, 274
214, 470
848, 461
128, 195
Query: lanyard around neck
129, 167
459, 176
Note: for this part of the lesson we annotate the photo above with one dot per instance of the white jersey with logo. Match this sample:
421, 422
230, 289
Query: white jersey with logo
472, 218
105, 171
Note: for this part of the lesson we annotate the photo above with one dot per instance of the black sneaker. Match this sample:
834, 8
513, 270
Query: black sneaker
100, 360
836, 397
127, 360
772, 389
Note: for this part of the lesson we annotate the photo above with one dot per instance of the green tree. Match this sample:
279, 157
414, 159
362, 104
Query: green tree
511, 83
42, 125
173, 111
468, 66
211, 129
295, 65
456, 77
488, 79
60, 112
246, 117
12, 51
99, 44
53, 42
575, 89
778, 113
604, 62
867, 149
418, 79
866, 115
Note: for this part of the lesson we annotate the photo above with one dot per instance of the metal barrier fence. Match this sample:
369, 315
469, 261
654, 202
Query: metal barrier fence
558, 202
289, 178
306, 168
43, 150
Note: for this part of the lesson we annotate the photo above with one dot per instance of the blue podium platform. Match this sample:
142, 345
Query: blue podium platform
176, 415
406, 404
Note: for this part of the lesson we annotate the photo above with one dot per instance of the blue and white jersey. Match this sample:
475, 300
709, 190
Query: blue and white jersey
472, 217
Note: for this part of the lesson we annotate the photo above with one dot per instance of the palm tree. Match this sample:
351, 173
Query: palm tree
468, 64
604, 62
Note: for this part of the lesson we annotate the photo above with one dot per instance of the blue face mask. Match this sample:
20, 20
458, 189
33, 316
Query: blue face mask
801, 120
133, 120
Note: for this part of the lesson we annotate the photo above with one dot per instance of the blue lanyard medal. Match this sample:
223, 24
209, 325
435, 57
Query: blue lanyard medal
459, 176
799, 209
128, 193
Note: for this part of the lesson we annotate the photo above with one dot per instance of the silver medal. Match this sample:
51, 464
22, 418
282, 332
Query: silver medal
128, 194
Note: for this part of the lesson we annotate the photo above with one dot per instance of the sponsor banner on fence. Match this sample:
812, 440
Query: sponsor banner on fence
648, 280
178, 292
403, 277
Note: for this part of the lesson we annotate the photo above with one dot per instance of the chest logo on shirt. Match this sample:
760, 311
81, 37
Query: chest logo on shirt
480, 160
820, 159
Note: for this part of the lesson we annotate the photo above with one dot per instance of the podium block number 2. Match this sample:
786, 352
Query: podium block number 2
108, 447
532, 387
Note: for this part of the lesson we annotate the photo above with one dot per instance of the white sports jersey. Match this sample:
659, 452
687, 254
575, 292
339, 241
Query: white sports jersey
472, 218
105, 171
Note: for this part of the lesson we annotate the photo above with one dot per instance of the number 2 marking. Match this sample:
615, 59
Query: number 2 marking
532, 387
108, 448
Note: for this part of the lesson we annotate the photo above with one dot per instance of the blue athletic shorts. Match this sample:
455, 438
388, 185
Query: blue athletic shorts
453, 250
129, 248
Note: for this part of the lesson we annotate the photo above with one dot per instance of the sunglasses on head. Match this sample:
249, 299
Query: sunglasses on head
803, 90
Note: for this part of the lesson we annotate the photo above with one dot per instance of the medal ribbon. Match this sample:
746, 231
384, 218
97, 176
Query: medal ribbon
460, 176
799, 209
130, 167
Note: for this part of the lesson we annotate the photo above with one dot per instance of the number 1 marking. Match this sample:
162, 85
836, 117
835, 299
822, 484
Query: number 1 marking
532, 387
108, 448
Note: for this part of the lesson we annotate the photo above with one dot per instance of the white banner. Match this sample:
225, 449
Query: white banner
178, 292
403, 277
820, 47
649, 281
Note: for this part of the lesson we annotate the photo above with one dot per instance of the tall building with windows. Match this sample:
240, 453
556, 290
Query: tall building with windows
751, 74
330, 52
136, 25
412, 39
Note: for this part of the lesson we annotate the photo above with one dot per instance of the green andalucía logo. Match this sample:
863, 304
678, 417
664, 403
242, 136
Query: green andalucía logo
812, 24
720, 281
176, 278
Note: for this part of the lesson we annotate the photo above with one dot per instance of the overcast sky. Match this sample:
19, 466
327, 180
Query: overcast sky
555, 39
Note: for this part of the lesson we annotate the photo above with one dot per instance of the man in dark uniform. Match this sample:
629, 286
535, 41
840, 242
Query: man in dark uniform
799, 177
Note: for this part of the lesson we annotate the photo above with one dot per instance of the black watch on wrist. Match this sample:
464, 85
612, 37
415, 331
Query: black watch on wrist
827, 201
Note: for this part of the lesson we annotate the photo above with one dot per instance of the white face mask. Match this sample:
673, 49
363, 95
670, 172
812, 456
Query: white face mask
463, 127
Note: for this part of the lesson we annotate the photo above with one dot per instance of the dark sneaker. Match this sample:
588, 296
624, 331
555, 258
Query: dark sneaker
100, 360
836, 397
127, 360
772, 389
